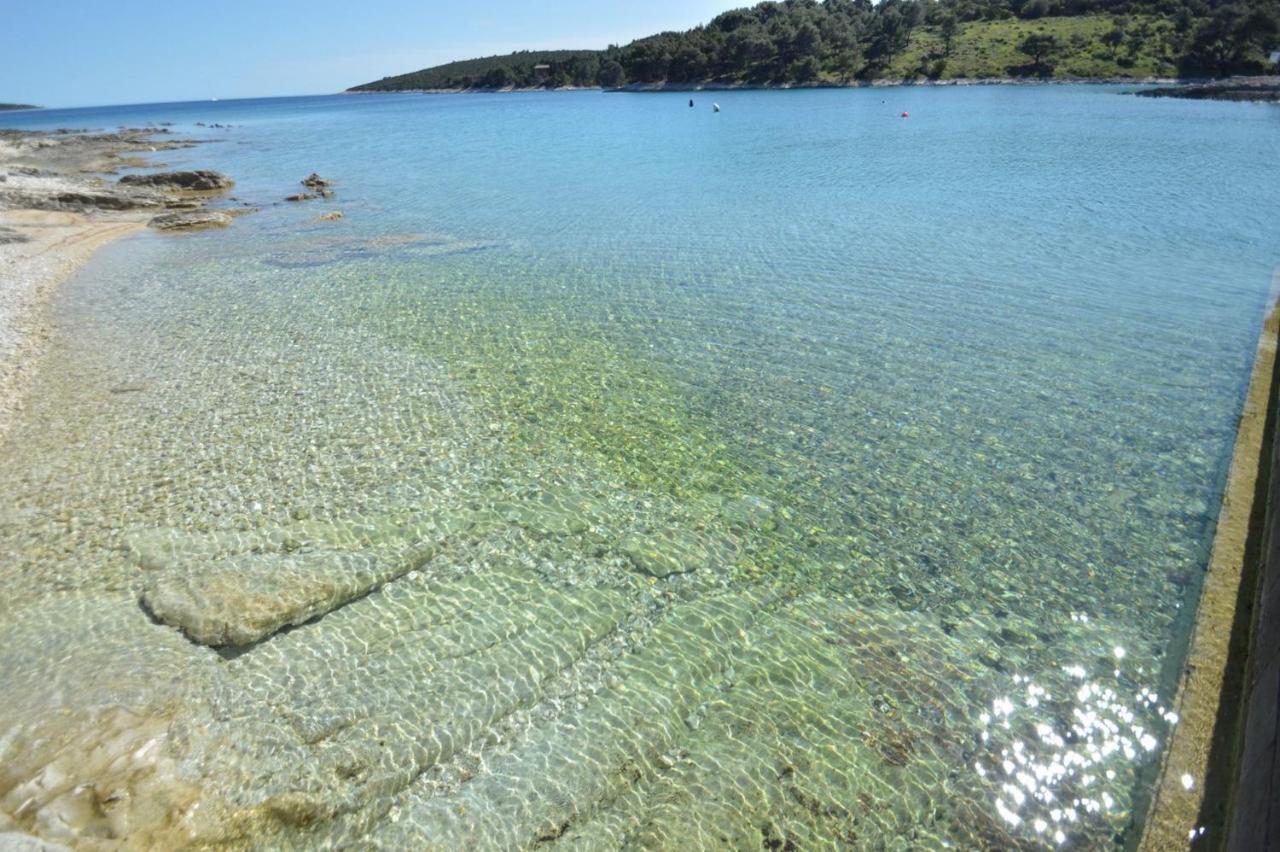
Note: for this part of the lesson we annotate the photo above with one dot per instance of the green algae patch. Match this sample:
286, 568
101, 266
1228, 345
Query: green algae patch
566, 393
587, 393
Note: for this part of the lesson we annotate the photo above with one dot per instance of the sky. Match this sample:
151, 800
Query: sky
88, 53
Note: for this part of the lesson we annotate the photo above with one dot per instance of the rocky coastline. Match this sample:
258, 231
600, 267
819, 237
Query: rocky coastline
712, 86
1246, 89
59, 203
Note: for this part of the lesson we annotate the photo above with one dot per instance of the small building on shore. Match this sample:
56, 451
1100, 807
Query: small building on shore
542, 73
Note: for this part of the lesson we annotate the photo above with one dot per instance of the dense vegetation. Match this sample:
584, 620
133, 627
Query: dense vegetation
497, 72
811, 42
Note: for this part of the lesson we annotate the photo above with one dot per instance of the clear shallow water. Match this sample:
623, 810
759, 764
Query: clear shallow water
793, 474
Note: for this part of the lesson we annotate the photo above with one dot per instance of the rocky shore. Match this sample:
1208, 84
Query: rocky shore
1256, 89
59, 204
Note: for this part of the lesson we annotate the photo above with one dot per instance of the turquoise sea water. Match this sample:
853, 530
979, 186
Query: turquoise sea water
797, 474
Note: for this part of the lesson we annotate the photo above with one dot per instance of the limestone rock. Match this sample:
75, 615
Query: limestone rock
240, 601
669, 552
191, 220
81, 199
200, 180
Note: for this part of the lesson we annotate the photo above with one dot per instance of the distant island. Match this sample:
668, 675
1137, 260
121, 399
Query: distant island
17, 106
847, 42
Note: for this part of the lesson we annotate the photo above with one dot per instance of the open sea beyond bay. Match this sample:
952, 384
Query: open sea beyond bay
793, 476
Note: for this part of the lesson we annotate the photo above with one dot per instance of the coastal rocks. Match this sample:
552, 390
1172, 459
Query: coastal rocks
81, 198
1249, 89
200, 180
74, 184
334, 216
189, 221
93, 756
317, 187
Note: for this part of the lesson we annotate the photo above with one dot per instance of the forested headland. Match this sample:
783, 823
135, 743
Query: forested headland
806, 42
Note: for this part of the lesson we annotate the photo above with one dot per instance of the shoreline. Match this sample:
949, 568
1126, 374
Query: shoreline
906, 82
57, 208
55, 246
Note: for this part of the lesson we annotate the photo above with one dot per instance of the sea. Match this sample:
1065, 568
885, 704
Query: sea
837, 469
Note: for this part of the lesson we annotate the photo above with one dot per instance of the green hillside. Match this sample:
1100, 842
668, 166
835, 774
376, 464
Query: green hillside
842, 41
1088, 46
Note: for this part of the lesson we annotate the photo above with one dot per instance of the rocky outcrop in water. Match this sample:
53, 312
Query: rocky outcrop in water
201, 180
60, 172
191, 221
1257, 89
316, 187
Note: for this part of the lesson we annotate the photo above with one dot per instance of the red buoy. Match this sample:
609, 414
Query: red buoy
904, 115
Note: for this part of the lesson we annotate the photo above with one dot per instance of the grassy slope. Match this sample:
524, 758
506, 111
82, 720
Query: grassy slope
990, 48
442, 76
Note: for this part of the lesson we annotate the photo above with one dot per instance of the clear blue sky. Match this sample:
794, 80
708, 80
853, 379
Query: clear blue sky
87, 52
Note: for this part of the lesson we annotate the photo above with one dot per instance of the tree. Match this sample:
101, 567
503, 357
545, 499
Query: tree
804, 70
1232, 41
948, 29
498, 78
1114, 37
1040, 47
611, 74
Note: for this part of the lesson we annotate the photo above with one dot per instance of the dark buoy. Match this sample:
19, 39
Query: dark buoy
691, 102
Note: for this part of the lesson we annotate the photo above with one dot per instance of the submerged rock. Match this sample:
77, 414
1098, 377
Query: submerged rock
200, 180
191, 220
670, 552
239, 601
89, 757
553, 514
749, 511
